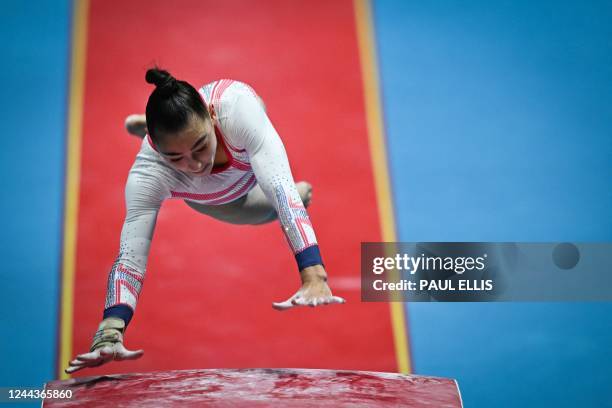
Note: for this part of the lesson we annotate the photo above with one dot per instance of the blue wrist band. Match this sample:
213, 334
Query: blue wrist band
309, 257
121, 311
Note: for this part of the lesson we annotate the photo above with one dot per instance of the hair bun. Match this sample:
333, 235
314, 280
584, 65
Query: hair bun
161, 79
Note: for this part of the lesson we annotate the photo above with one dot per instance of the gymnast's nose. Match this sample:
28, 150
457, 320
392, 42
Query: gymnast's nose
195, 165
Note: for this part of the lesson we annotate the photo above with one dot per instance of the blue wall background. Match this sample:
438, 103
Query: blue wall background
34, 71
499, 127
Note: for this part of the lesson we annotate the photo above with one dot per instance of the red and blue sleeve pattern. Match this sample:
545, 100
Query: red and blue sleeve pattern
298, 229
124, 285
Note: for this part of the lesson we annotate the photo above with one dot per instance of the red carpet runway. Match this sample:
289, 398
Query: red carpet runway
207, 296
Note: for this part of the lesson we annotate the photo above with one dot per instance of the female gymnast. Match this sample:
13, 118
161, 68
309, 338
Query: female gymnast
216, 149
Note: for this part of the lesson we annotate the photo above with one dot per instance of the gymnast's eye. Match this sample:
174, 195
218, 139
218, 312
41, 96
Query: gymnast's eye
176, 160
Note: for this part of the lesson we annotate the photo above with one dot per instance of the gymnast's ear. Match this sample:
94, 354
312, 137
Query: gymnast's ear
211, 111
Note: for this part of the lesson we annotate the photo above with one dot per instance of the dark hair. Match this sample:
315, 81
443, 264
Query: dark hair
171, 104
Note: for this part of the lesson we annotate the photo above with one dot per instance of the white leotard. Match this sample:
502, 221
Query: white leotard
256, 156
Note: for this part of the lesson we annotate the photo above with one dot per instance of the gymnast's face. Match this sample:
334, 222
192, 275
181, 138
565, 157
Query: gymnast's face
191, 150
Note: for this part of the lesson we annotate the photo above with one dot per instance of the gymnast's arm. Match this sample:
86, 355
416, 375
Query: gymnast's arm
143, 195
253, 130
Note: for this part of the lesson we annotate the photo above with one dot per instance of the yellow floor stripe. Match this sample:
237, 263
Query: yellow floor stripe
367, 53
73, 169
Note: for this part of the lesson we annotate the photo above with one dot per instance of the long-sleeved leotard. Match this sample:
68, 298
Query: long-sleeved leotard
256, 155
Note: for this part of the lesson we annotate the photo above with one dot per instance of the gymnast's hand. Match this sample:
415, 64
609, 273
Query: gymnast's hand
107, 346
314, 290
